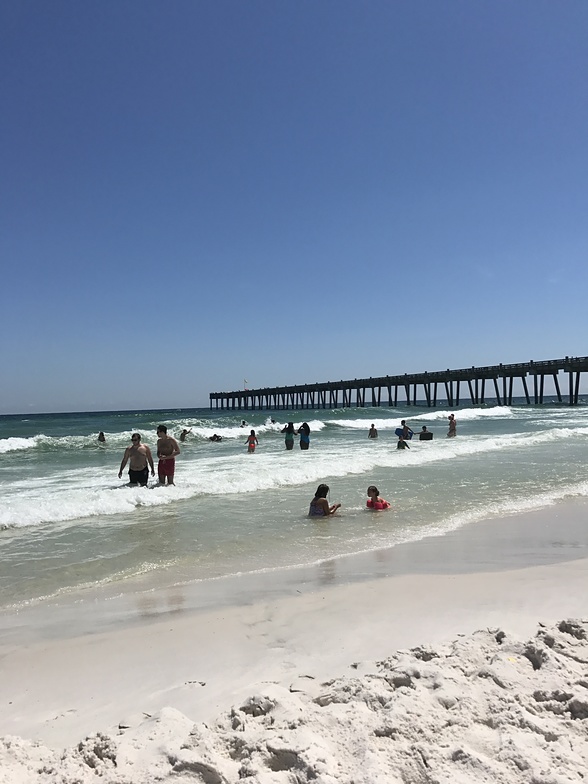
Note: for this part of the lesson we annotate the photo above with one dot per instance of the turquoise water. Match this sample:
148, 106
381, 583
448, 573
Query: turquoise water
68, 522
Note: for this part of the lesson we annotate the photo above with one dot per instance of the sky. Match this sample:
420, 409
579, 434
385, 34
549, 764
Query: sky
194, 194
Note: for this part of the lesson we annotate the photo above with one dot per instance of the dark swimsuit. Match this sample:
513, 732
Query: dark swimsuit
315, 510
139, 477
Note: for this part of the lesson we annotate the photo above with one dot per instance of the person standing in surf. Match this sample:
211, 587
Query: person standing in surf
406, 431
251, 442
289, 437
304, 433
140, 455
167, 449
402, 443
452, 432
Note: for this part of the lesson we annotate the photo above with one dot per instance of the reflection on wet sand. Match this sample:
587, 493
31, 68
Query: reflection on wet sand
153, 604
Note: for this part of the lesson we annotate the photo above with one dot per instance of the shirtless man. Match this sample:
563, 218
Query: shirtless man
406, 431
167, 449
372, 432
139, 454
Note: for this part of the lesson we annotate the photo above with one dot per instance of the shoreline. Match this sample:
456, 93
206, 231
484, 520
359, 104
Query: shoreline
202, 659
550, 535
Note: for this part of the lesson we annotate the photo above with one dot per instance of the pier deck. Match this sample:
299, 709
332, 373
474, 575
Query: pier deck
386, 390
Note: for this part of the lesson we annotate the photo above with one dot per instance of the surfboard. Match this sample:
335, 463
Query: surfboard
399, 432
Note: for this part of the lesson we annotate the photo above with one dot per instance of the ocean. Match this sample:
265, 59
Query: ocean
68, 524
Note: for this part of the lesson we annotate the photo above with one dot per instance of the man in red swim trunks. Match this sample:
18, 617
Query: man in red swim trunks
167, 449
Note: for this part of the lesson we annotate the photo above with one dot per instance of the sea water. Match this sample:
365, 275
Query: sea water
68, 524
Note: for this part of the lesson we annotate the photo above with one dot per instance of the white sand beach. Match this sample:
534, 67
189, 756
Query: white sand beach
459, 664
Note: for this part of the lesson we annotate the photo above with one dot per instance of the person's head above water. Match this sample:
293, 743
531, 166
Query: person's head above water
373, 490
322, 491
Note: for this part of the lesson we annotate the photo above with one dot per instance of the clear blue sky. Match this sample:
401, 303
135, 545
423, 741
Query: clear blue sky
194, 193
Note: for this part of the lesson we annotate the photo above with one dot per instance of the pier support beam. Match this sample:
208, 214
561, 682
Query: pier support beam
498, 400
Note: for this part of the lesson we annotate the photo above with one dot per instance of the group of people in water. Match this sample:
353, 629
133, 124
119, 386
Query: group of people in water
320, 506
404, 432
290, 431
140, 459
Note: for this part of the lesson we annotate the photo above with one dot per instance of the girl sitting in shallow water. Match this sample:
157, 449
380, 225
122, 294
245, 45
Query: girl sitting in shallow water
374, 501
319, 506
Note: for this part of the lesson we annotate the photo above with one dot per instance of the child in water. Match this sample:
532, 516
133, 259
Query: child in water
251, 442
374, 501
319, 506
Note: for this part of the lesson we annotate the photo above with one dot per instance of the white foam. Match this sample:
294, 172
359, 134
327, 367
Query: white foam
17, 444
236, 432
89, 492
393, 421
67, 443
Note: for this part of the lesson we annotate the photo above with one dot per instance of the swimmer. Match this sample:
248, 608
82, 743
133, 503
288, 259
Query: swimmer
101, 437
372, 432
251, 442
319, 506
402, 444
184, 433
374, 501
215, 437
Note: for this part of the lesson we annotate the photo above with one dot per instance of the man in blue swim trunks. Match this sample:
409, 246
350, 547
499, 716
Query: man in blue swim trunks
139, 455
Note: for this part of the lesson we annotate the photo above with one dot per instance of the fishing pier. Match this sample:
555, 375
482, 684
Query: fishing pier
475, 385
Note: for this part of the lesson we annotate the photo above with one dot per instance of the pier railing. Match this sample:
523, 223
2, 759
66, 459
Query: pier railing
386, 390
